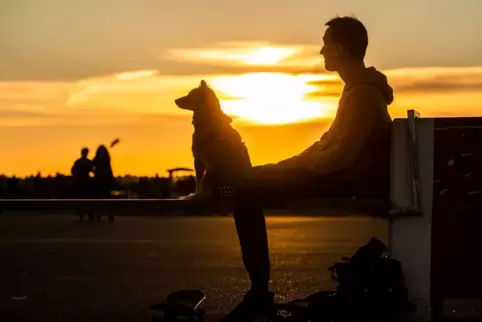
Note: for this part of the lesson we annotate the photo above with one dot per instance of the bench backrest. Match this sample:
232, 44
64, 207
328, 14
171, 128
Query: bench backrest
405, 163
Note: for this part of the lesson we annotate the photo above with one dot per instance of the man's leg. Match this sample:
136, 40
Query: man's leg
251, 228
267, 185
264, 185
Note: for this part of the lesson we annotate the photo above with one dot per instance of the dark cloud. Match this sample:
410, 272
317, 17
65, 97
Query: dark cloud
325, 82
69, 71
12, 113
68, 116
440, 84
330, 93
189, 69
327, 88
412, 82
310, 125
24, 99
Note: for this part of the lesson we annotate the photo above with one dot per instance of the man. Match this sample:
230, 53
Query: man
82, 181
350, 159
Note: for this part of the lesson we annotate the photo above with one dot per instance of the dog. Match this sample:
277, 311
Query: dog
220, 155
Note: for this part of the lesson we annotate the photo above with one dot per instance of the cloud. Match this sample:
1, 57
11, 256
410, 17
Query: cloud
119, 82
16, 116
440, 86
249, 56
6, 113
74, 103
414, 81
327, 87
330, 93
436, 79
65, 118
220, 58
257, 54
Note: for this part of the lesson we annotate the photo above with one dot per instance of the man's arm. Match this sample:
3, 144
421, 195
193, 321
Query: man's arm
317, 146
348, 138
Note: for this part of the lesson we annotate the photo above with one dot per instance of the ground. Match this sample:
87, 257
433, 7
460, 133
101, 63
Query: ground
55, 268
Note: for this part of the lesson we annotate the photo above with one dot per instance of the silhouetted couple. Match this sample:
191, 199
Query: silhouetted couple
350, 159
99, 186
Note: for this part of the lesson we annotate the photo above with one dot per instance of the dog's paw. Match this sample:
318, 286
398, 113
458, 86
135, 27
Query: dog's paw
190, 196
196, 197
199, 197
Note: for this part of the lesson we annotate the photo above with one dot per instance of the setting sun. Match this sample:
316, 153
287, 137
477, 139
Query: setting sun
264, 97
271, 98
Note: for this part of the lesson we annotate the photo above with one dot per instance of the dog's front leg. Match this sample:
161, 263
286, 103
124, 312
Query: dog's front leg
202, 191
200, 169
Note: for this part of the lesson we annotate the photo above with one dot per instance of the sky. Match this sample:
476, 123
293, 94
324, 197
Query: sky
81, 73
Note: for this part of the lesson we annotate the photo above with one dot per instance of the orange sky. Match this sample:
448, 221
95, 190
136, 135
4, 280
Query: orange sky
115, 73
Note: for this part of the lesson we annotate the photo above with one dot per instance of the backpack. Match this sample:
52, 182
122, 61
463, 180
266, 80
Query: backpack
370, 288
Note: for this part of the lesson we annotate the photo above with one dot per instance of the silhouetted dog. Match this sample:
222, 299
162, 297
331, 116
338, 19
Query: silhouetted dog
220, 155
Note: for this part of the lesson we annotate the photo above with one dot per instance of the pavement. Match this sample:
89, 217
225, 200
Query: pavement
55, 268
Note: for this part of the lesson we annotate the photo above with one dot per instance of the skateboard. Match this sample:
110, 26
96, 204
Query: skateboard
180, 306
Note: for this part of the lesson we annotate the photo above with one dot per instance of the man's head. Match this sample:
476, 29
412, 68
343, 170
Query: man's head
84, 152
345, 41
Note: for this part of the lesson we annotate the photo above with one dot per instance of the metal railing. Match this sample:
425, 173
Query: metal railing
313, 206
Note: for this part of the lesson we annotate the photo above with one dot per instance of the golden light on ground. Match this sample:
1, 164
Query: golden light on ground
270, 98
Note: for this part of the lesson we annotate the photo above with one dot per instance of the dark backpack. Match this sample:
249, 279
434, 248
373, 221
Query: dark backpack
370, 287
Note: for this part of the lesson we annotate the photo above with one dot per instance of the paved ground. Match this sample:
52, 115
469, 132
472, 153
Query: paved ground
54, 268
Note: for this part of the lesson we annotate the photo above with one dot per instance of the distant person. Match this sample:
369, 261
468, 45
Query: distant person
350, 159
82, 184
104, 181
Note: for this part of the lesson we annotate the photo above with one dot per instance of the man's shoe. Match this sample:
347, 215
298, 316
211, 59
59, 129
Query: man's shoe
254, 307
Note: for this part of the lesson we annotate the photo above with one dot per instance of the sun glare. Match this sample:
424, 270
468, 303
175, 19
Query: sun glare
267, 55
261, 56
253, 54
271, 98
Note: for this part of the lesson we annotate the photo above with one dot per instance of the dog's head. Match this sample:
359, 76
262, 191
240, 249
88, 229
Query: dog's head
203, 101
199, 99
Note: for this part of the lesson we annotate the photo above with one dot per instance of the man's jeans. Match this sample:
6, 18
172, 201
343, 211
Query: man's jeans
266, 185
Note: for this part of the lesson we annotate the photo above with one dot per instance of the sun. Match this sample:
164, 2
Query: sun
270, 98
264, 97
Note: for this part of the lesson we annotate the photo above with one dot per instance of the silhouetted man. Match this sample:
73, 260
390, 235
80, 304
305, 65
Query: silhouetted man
350, 159
82, 181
